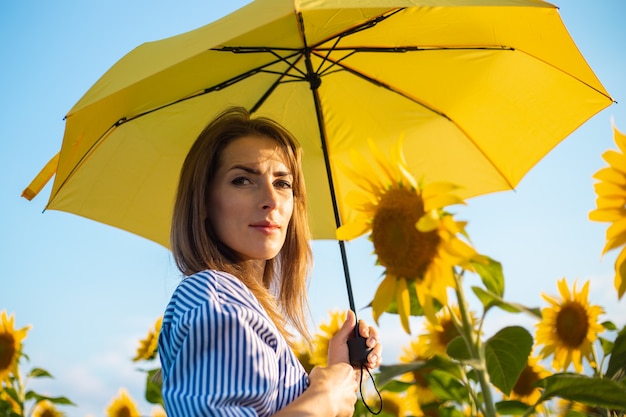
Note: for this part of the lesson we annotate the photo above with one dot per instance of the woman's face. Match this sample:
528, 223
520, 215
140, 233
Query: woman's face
251, 198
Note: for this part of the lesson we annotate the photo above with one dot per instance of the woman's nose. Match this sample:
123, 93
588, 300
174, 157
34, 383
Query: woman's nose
269, 198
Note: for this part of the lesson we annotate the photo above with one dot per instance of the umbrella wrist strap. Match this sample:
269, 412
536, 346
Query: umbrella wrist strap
380, 398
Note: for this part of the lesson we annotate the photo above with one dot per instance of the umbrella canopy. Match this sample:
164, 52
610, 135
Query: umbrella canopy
481, 90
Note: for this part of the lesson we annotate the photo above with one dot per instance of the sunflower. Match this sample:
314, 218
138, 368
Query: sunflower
122, 406
46, 409
524, 389
568, 327
400, 404
7, 404
321, 339
611, 205
10, 345
438, 334
565, 407
303, 352
419, 389
414, 238
147, 349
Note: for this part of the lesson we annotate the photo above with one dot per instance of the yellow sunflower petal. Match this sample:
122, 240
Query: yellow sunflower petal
370, 183
606, 189
611, 202
384, 296
607, 215
619, 138
404, 304
616, 159
610, 175
620, 274
564, 289
615, 235
441, 200
364, 202
381, 162
398, 160
434, 189
428, 222
354, 229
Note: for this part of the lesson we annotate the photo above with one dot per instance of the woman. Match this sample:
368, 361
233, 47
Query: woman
240, 236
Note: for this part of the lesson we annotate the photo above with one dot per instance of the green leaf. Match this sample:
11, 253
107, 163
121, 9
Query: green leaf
491, 275
511, 407
607, 346
506, 354
39, 373
388, 372
596, 392
457, 349
396, 386
32, 395
609, 325
489, 299
617, 362
446, 387
153, 386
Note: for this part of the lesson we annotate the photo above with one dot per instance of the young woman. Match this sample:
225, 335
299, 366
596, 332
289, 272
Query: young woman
240, 236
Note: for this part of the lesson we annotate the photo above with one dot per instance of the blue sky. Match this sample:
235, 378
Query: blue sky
91, 291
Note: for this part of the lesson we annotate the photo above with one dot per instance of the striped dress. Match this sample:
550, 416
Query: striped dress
221, 354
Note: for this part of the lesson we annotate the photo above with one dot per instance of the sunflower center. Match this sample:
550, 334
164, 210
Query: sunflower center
525, 383
48, 413
7, 350
402, 249
448, 333
124, 412
572, 324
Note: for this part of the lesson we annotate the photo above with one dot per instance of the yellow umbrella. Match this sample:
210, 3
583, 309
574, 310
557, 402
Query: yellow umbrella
481, 90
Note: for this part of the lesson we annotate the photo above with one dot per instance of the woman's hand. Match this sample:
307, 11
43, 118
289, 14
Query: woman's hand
338, 345
339, 388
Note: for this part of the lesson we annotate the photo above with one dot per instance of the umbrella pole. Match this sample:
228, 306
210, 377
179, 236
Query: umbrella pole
357, 348
315, 81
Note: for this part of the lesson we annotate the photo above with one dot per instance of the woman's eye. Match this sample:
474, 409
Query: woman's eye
241, 181
283, 184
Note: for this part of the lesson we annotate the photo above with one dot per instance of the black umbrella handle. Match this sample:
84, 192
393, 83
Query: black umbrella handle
358, 350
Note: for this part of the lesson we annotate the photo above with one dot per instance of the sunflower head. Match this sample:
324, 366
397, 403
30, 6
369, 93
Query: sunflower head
565, 407
415, 239
148, 347
611, 205
525, 389
46, 409
303, 352
10, 345
419, 389
321, 339
437, 335
568, 327
122, 406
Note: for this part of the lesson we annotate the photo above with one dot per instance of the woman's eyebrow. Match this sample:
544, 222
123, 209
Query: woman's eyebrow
256, 171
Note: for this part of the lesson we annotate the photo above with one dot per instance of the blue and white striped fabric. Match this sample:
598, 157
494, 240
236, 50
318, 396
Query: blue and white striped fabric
221, 354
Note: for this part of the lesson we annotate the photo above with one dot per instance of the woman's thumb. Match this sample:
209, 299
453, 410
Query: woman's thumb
347, 328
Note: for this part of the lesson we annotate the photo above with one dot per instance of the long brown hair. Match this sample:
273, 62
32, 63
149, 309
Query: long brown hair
195, 245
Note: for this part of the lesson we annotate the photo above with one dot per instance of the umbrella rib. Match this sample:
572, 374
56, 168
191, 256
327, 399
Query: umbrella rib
207, 90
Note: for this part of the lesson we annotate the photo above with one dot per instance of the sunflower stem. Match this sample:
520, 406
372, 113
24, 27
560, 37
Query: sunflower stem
475, 349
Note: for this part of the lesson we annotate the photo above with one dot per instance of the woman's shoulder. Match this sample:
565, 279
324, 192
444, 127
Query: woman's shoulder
213, 288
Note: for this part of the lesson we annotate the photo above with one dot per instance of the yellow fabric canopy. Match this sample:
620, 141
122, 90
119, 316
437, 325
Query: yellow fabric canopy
480, 90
